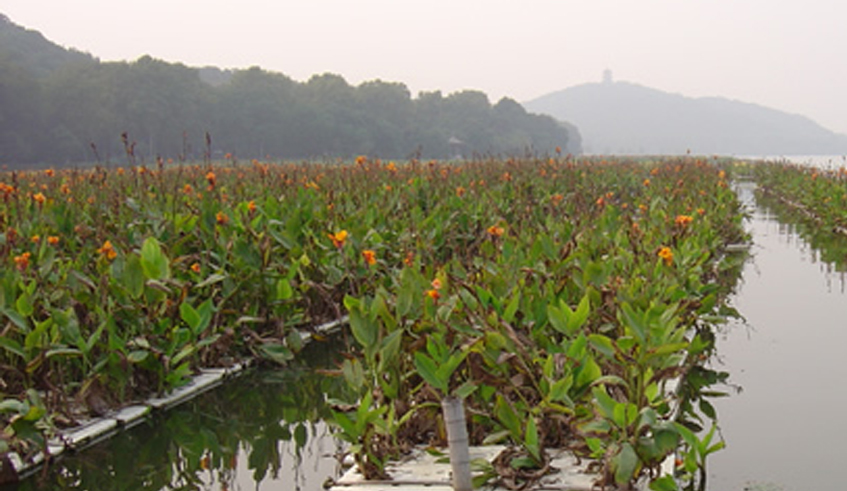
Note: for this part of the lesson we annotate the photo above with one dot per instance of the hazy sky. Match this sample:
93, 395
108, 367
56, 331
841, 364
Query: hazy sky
786, 54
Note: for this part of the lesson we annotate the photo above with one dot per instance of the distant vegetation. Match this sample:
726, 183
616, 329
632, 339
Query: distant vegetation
61, 106
625, 118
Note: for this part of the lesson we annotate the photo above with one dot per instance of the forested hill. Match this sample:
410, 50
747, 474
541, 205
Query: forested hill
625, 118
61, 106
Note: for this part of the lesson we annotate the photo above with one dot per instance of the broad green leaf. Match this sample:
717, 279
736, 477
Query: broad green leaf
664, 483
602, 344
12, 346
625, 463
189, 315
133, 276
634, 321
283, 289
604, 402
24, 305
154, 263
428, 370
507, 417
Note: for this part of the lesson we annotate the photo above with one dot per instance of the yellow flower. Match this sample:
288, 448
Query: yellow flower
666, 254
370, 257
496, 231
338, 238
683, 220
22, 261
221, 218
107, 250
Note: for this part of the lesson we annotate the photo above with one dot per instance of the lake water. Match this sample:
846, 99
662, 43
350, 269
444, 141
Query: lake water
262, 431
784, 429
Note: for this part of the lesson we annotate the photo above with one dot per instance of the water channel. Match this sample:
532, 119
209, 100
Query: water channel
783, 430
262, 431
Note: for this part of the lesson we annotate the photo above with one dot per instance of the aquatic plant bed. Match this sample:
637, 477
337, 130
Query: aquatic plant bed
818, 194
557, 297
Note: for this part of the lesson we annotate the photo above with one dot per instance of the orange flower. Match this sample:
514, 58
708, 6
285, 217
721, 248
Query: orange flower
35, 239
557, 198
221, 218
496, 231
666, 254
433, 294
53, 240
187, 189
39, 198
683, 220
436, 283
338, 238
409, 260
49, 172
251, 206
107, 250
391, 167
370, 257
646, 182
701, 211
212, 179
558, 149
460, 191
195, 267
65, 189
22, 261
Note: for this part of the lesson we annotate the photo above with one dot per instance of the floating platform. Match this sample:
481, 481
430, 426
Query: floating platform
422, 471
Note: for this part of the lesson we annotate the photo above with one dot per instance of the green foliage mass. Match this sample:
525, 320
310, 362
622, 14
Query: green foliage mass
64, 107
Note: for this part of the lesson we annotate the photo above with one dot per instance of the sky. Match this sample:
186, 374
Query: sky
790, 55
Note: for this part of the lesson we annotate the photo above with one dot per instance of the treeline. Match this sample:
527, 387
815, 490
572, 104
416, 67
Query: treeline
74, 109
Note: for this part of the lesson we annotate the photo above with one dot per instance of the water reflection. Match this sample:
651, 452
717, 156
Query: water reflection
265, 430
783, 431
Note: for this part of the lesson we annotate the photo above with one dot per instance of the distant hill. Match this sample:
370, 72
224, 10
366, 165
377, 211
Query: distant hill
30, 49
626, 118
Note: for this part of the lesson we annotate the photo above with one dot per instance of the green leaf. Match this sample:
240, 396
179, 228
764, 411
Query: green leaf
211, 280
428, 371
604, 402
12, 346
664, 483
283, 289
190, 315
133, 276
365, 330
602, 344
580, 315
634, 322
507, 417
531, 440
24, 305
17, 319
154, 263
625, 463
512, 308
276, 352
